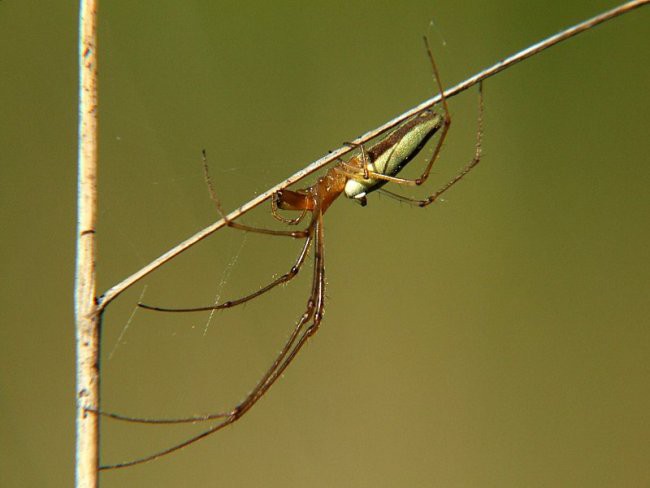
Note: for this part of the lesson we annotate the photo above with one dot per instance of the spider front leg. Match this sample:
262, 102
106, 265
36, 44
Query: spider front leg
301, 332
290, 200
286, 199
285, 278
244, 227
298, 338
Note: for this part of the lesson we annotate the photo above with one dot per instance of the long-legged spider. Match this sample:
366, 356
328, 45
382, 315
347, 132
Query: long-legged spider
364, 173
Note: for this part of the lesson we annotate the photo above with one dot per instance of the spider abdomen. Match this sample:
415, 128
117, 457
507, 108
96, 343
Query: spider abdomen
392, 154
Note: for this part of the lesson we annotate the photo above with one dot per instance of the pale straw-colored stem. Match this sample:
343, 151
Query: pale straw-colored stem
334, 155
86, 318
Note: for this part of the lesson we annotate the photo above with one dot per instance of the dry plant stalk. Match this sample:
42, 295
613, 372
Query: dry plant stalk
86, 318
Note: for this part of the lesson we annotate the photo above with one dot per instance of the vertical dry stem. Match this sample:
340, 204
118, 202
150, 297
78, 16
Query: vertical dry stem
87, 321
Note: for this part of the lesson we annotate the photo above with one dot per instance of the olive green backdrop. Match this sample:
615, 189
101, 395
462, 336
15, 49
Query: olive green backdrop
498, 338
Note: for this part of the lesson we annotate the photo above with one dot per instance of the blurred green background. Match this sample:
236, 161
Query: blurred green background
498, 338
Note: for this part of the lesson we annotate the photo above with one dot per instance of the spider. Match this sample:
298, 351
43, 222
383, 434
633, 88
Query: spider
367, 171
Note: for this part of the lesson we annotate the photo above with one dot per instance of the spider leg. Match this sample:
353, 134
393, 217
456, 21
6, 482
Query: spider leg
236, 225
228, 304
302, 333
364, 158
475, 160
297, 234
444, 129
285, 278
281, 218
298, 338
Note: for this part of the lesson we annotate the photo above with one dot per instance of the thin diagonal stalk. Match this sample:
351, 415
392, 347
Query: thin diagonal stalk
563, 35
